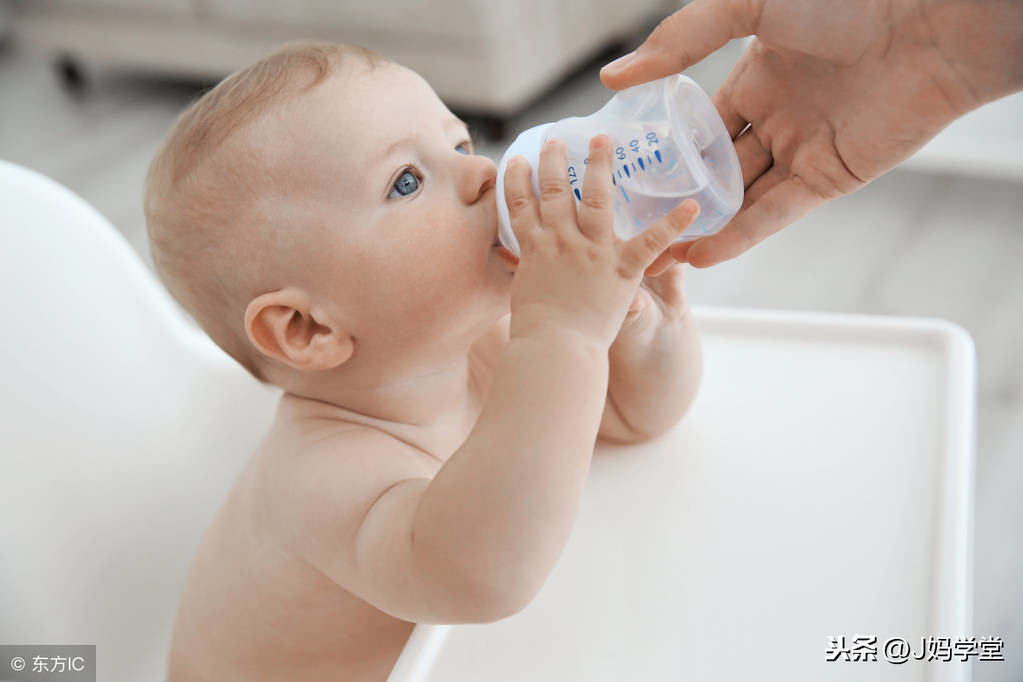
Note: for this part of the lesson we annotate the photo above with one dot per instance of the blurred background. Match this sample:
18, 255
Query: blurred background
88, 88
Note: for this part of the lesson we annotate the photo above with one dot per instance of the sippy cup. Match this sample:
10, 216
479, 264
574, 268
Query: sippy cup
669, 144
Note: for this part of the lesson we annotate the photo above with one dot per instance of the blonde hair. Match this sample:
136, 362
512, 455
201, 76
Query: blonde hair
195, 203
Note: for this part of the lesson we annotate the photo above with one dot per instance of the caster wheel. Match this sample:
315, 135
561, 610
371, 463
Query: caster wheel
70, 73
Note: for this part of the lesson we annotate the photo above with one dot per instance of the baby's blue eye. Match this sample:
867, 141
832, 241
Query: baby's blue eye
406, 184
464, 146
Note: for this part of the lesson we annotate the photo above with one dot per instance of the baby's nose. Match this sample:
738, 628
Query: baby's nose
480, 177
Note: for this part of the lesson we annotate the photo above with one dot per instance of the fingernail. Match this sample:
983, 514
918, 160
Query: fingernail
620, 63
691, 207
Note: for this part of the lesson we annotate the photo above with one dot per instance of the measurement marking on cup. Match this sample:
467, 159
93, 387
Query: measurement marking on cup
657, 153
627, 173
625, 194
641, 166
577, 195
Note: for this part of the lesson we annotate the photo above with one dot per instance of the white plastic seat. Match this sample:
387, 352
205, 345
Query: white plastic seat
121, 428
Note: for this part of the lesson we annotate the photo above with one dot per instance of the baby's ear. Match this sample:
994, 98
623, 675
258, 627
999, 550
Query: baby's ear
283, 326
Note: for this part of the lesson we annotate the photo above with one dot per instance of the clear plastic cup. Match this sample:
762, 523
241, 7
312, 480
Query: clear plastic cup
670, 144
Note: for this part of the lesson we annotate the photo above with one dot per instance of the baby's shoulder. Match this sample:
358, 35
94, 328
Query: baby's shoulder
307, 430
321, 483
349, 454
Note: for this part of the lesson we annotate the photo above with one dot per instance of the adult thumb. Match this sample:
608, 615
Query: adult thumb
683, 39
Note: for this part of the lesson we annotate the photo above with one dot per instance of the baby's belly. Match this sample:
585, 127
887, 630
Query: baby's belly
255, 613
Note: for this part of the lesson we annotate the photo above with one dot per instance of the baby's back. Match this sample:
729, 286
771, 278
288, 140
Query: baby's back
252, 609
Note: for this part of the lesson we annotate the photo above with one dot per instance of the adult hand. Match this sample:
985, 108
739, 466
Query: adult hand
834, 93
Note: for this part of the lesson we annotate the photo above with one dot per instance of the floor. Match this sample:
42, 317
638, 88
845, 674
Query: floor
911, 243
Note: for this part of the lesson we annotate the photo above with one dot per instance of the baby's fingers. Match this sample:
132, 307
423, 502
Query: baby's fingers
596, 207
660, 264
557, 205
642, 250
523, 212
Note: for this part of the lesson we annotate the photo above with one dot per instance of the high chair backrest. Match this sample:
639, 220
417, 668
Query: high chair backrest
122, 426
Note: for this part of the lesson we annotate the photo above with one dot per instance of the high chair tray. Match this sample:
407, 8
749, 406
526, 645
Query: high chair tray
820, 487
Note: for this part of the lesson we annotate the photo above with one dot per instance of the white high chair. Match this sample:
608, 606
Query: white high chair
121, 428
821, 486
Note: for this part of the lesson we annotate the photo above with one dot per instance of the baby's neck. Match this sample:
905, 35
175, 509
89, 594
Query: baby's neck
433, 411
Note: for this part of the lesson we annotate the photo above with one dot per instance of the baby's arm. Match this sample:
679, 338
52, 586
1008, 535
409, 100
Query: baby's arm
655, 362
475, 543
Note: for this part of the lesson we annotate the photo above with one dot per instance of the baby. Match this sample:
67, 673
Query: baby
322, 215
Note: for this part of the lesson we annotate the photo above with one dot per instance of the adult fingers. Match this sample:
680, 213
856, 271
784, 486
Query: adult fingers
773, 177
754, 158
642, 250
770, 210
596, 217
762, 185
722, 101
557, 205
523, 212
682, 39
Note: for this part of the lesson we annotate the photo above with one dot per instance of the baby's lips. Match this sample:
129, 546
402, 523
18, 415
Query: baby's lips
508, 257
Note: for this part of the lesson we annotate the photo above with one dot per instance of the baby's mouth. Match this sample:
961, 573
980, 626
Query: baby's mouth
503, 253
509, 258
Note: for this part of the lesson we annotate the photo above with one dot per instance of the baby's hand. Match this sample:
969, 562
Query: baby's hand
573, 270
660, 300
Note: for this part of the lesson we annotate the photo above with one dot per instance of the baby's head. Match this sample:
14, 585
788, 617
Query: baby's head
322, 212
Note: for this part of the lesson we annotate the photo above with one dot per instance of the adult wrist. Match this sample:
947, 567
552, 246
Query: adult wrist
979, 45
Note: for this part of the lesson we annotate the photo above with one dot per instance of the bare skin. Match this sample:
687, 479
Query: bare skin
441, 401
255, 610
830, 95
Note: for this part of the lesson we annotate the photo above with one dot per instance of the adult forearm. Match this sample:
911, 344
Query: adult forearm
654, 376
